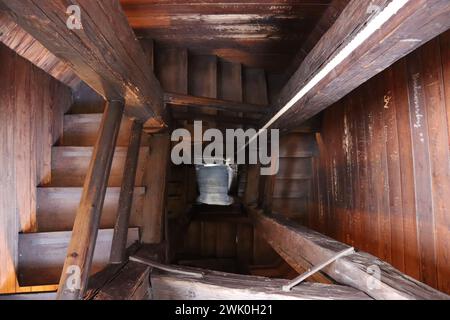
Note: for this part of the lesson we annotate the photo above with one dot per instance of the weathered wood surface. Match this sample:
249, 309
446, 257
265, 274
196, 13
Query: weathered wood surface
81, 130
155, 181
226, 286
131, 282
354, 270
32, 50
264, 34
57, 208
32, 105
104, 53
386, 147
104, 277
76, 160
224, 119
205, 103
414, 24
126, 196
328, 18
41, 255
87, 220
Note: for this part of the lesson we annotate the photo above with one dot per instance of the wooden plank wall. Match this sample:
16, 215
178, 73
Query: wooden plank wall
32, 105
382, 180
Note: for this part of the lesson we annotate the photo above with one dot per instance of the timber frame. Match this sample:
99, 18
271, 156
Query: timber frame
313, 87
107, 56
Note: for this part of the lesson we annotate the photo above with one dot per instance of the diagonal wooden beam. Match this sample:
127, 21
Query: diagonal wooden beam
74, 278
368, 36
119, 242
18, 40
104, 53
359, 270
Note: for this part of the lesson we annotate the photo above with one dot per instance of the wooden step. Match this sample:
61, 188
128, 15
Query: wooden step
41, 255
82, 130
70, 165
57, 208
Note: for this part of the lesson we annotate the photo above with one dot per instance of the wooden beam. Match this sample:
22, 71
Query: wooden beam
104, 53
18, 40
327, 74
357, 270
131, 282
155, 198
224, 119
84, 234
202, 103
118, 248
223, 286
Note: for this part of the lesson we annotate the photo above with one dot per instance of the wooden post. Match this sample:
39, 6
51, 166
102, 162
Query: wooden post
155, 198
119, 241
78, 261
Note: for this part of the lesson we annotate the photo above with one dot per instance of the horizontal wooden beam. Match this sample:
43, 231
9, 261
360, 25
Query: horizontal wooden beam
359, 45
104, 52
131, 282
178, 100
223, 286
358, 270
223, 119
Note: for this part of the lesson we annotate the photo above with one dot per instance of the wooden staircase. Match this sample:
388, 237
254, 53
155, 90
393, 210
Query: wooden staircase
42, 253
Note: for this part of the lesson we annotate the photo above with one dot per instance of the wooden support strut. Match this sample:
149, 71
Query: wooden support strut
119, 241
300, 243
74, 278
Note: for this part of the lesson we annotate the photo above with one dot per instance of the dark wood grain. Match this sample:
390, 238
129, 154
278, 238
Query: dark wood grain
351, 270
42, 255
416, 20
263, 34
395, 209
104, 53
32, 104
119, 241
226, 286
155, 180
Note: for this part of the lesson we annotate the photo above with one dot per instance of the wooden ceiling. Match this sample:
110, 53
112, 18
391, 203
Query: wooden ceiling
259, 33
